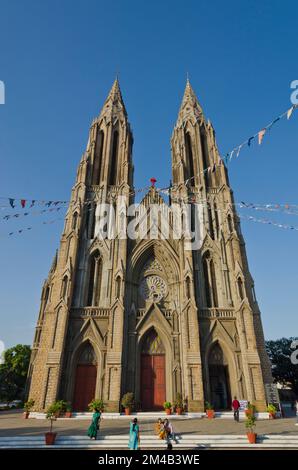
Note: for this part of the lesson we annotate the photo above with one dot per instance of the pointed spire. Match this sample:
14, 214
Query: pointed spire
114, 99
190, 104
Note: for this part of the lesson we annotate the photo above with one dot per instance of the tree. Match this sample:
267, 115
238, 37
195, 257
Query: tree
13, 372
284, 370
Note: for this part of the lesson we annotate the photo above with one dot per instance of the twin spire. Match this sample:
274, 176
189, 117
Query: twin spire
189, 105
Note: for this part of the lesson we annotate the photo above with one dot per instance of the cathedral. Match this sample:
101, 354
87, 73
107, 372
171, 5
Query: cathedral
145, 314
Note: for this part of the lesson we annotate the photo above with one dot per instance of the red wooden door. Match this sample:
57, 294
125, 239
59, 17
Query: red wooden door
159, 395
85, 385
153, 390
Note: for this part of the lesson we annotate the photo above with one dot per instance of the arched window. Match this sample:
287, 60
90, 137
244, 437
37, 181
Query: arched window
240, 288
210, 281
114, 160
216, 220
204, 149
152, 343
58, 321
230, 223
93, 222
187, 286
211, 231
98, 158
64, 287
95, 273
213, 283
189, 157
206, 279
46, 296
74, 220
118, 287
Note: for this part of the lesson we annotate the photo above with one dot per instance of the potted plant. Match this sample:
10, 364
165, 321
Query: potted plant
127, 402
60, 407
209, 410
250, 410
51, 415
67, 413
28, 407
179, 404
250, 424
167, 407
96, 404
271, 410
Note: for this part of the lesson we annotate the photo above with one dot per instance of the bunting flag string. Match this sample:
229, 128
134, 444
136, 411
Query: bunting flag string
268, 222
26, 229
211, 169
236, 150
21, 214
286, 207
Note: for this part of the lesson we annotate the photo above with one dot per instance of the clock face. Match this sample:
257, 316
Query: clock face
153, 288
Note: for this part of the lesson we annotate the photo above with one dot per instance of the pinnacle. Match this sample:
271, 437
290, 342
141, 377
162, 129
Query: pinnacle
190, 97
114, 97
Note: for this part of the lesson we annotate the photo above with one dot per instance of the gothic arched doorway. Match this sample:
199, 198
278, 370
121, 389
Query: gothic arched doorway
153, 383
219, 380
85, 378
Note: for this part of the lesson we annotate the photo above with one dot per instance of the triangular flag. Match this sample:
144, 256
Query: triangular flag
23, 203
238, 151
249, 140
289, 113
11, 202
261, 135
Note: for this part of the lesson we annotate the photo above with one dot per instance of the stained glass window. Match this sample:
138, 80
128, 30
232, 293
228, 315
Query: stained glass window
152, 344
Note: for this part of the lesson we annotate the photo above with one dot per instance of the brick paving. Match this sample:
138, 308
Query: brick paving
12, 424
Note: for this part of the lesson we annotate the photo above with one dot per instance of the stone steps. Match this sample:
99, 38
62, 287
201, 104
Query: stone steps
185, 441
151, 415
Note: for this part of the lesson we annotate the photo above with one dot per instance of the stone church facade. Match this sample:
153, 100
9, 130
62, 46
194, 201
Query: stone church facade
147, 315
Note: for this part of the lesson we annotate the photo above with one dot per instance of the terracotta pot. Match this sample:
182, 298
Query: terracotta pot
272, 415
67, 414
210, 414
168, 411
26, 414
127, 411
249, 412
252, 437
179, 411
50, 438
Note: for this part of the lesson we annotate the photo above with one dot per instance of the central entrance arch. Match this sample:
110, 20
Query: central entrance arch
219, 379
153, 376
85, 379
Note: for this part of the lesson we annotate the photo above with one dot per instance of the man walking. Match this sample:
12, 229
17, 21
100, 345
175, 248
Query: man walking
236, 407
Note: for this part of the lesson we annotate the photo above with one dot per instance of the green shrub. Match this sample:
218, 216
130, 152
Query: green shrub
96, 404
167, 405
208, 405
29, 405
127, 400
250, 423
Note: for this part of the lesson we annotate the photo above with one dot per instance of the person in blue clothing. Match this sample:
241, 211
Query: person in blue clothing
134, 435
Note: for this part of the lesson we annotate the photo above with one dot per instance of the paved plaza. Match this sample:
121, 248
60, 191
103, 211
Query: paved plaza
13, 424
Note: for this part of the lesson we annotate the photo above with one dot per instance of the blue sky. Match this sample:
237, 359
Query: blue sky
58, 60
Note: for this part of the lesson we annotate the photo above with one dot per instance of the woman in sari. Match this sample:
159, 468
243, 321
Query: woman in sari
134, 435
94, 426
